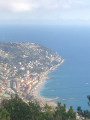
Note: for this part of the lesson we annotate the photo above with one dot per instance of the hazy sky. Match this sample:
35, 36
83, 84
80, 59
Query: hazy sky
45, 11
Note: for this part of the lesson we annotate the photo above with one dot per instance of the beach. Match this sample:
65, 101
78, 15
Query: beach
35, 92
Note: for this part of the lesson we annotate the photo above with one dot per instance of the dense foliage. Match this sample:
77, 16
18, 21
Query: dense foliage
17, 109
84, 113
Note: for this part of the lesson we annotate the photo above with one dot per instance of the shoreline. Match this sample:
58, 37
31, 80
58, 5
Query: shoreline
35, 92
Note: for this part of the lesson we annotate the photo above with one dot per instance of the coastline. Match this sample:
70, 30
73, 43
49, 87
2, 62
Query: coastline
35, 92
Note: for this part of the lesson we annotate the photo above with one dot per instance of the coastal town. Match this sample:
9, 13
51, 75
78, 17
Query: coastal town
23, 66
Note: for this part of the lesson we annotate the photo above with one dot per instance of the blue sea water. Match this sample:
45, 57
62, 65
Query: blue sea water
72, 78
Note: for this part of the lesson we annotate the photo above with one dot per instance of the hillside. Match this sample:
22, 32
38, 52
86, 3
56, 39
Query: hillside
22, 65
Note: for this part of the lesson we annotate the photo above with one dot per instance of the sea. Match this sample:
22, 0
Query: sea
70, 81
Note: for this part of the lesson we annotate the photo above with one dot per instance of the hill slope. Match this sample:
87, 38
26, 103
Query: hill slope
21, 66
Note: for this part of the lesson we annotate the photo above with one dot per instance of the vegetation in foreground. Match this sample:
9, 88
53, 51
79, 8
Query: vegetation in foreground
84, 113
17, 109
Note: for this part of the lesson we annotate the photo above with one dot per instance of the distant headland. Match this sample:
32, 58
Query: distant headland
23, 69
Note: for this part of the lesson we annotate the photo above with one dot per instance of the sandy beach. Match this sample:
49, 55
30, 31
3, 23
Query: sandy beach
35, 92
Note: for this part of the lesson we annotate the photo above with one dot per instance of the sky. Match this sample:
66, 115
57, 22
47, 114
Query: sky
45, 12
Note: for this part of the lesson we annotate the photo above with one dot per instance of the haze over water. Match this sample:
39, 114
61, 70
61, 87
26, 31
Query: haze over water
72, 78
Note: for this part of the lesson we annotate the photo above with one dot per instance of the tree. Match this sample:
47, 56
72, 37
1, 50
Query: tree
19, 110
16, 108
60, 112
71, 114
34, 111
4, 115
84, 113
79, 110
48, 112
88, 99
